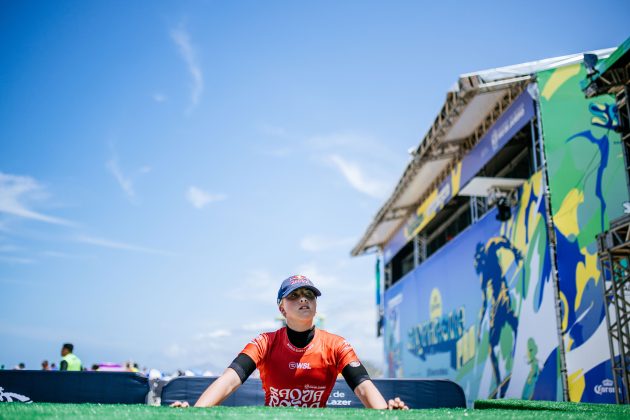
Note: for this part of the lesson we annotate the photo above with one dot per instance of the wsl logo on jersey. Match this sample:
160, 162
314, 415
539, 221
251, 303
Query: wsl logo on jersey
297, 365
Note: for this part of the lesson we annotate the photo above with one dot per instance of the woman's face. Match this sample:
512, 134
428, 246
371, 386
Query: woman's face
301, 304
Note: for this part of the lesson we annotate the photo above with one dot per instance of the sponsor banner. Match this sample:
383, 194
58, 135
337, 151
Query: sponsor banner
73, 387
518, 114
588, 189
417, 393
486, 321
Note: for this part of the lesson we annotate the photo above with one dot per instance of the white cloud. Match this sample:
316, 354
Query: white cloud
335, 141
357, 144
55, 254
124, 181
15, 190
261, 326
9, 248
106, 243
200, 198
213, 334
318, 243
16, 260
256, 285
279, 152
373, 168
175, 351
317, 276
181, 37
273, 130
159, 97
357, 179
17, 282
273, 133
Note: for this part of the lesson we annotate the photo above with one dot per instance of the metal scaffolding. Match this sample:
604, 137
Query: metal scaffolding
614, 257
623, 108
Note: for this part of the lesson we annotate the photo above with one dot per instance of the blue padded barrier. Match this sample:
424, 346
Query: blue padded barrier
417, 393
73, 387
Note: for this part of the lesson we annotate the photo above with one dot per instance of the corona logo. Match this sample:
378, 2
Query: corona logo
605, 388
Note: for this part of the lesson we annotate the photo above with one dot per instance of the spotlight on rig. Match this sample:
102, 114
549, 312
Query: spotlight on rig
590, 60
504, 210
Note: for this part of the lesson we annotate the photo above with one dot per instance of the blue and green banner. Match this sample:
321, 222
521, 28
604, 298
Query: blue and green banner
481, 311
587, 189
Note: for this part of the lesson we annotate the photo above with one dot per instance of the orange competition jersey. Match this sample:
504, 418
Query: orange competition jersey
300, 377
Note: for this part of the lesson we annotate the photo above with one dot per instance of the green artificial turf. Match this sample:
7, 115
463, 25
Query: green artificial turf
501, 409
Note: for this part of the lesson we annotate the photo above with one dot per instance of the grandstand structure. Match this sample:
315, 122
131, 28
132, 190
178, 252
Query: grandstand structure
488, 242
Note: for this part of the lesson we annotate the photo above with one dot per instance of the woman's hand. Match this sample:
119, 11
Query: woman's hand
181, 404
396, 404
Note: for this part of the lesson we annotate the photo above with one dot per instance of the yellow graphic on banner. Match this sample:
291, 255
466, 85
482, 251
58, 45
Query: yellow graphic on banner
576, 386
517, 222
434, 203
466, 347
585, 272
435, 304
515, 227
422, 216
566, 219
506, 258
558, 78
456, 178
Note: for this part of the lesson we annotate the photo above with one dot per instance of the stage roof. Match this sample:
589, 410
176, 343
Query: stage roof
463, 119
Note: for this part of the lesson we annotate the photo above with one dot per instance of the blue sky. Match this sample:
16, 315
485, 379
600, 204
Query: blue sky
165, 165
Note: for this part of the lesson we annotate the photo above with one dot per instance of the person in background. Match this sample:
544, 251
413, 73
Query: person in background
20, 366
53, 366
45, 365
298, 363
131, 367
69, 361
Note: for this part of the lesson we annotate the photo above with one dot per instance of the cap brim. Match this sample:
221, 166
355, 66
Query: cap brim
292, 289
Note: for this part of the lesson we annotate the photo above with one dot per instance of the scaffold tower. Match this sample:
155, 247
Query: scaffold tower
614, 257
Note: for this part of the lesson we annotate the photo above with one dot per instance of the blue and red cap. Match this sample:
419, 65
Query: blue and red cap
294, 283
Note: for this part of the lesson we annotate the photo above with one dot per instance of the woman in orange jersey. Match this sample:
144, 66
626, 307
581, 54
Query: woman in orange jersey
298, 363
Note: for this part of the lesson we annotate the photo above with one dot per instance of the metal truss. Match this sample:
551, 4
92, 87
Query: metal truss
614, 257
610, 81
419, 249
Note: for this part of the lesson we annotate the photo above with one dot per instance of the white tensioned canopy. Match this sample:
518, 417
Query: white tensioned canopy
471, 107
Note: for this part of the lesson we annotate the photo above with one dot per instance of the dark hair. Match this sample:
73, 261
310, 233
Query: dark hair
68, 346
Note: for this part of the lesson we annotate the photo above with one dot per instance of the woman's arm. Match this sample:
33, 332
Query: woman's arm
217, 392
220, 389
371, 397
